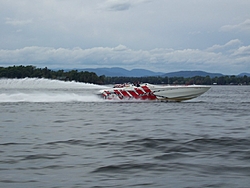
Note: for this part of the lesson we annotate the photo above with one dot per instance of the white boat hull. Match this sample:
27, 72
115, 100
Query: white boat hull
153, 92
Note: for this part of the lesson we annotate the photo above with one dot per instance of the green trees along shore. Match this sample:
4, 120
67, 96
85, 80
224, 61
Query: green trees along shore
33, 72
91, 77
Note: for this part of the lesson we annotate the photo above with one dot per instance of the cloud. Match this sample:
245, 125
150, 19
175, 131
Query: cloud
243, 51
139, 24
16, 22
121, 5
120, 48
215, 59
157, 35
232, 44
243, 26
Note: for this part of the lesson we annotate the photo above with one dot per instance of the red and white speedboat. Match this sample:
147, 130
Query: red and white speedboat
153, 92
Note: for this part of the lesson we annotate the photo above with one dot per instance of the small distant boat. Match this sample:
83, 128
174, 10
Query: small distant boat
153, 92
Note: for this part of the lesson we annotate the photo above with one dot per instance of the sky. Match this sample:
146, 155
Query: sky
158, 35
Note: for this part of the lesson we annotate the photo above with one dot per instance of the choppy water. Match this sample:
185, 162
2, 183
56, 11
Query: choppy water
59, 134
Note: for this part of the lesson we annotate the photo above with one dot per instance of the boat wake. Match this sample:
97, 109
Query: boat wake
45, 90
42, 83
45, 97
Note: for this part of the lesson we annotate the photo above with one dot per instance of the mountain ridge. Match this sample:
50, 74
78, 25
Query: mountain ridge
121, 72
117, 71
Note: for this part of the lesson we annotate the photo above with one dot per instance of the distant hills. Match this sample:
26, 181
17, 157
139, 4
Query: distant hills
188, 74
117, 71
244, 74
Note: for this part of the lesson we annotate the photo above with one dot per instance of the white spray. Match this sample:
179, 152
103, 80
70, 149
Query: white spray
45, 90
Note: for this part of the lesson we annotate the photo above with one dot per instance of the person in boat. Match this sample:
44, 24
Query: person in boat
137, 84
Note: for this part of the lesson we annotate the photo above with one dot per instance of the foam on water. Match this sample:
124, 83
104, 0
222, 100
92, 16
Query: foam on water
45, 90
42, 83
46, 97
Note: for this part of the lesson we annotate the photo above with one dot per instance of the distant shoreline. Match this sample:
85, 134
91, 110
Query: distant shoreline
91, 77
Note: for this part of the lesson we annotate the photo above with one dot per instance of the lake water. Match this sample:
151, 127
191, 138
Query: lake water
59, 134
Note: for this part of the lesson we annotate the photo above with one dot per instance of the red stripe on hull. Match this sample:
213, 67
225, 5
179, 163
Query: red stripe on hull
146, 89
149, 95
124, 93
139, 91
134, 94
118, 93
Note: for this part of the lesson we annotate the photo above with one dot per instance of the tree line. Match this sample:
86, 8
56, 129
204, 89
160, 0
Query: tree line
91, 77
33, 72
198, 80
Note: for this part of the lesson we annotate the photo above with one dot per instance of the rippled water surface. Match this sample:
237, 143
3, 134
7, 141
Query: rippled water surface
57, 134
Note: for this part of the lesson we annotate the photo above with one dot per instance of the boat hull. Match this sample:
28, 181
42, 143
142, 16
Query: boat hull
153, 92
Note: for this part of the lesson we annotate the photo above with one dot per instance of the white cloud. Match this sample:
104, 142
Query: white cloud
243, 51
157, 35
243, 26
118, 6
121, 5
143, 24
232, 44
155, 59
120, 48
17, 22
